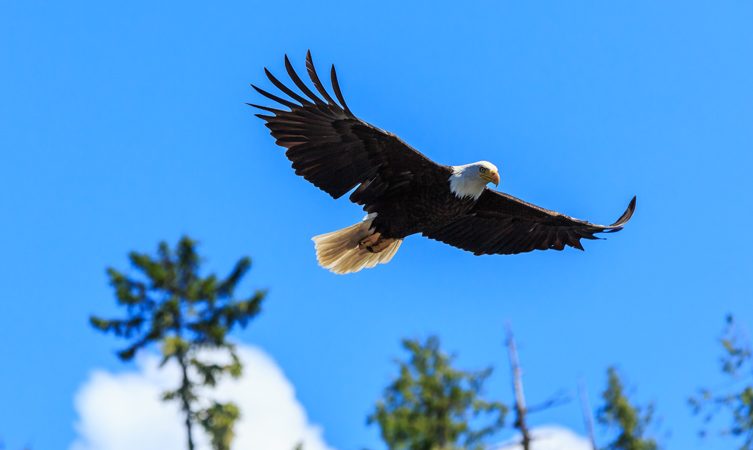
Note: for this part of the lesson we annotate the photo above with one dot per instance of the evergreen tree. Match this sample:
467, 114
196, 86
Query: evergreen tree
631, 421
172, 306
736, 363
430, 404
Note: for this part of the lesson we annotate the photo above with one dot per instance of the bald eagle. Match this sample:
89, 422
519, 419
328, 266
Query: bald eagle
402, 191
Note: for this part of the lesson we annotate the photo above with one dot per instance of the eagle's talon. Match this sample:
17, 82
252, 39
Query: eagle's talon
369, 241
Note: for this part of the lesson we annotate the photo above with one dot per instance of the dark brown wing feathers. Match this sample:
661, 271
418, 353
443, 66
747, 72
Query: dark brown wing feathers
336, 87
502, 224
315, 78
332, 148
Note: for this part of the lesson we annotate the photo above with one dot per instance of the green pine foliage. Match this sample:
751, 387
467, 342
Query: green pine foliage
169, 304
218, 421
430, 405
737, 399
631, 421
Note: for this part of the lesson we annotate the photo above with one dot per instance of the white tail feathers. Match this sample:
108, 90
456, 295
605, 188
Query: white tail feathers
339, 252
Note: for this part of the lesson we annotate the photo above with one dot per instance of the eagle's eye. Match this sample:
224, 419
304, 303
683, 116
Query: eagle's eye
482, 169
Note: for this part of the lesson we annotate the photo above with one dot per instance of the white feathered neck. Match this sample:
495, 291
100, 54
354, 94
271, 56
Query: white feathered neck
466, 180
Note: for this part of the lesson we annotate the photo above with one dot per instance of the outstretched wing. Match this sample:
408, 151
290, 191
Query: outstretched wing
502, 224
336, 151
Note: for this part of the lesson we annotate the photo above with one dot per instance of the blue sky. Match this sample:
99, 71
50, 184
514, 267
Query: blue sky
123, 124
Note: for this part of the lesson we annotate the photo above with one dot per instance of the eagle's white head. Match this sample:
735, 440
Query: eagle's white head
471, 179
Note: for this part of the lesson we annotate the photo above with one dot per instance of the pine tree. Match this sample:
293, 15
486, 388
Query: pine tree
737, 364
631, 421
430, 405
172, 306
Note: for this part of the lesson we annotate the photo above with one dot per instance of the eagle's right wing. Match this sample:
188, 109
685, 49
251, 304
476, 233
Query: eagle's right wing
501, 224
336, 151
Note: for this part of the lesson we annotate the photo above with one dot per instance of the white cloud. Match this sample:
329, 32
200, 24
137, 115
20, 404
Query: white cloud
550, 437
123, 411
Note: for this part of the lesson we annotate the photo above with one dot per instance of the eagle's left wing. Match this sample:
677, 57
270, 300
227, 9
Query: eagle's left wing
502, 224
336, 151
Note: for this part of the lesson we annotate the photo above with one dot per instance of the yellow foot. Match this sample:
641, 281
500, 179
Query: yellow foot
381, 244
375, 243
369, 241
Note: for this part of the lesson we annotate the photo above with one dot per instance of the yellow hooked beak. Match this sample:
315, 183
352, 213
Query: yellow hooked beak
491, 177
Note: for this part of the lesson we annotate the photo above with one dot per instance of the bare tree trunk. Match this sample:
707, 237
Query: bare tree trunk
587, 413
186, 401
520, 401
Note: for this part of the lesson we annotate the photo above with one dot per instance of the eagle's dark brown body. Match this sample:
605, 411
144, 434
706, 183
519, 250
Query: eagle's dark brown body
421, 210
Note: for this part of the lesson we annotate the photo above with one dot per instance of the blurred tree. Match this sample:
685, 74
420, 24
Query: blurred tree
737, 364
430, 405
218, 421
631, 421
588, 417
521, 410
172, 306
